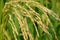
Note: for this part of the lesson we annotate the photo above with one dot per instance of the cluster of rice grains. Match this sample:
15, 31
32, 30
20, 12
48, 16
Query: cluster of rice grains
28, 20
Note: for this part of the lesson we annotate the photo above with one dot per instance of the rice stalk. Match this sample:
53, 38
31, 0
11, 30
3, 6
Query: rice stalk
17, 12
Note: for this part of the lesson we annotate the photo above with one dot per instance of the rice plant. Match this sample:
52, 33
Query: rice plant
29, 20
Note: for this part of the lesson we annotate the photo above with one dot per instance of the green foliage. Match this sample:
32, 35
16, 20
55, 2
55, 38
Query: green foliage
29, 20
